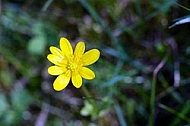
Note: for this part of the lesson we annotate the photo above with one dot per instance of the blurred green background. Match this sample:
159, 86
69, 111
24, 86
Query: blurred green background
133, 37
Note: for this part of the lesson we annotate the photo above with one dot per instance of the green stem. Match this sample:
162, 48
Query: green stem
89, 97
153, 89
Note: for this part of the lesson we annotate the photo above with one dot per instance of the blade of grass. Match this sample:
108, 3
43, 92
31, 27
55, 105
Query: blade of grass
184, 110
179, 115
182, 21
120, 115
183, 7
168, 90
46, 5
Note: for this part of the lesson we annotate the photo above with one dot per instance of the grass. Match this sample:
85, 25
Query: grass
134, 40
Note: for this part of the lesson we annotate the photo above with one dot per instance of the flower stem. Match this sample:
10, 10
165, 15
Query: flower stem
89, 96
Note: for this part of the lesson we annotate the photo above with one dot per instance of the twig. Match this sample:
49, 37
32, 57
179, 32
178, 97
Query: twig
42, 118
174, 46
153, 89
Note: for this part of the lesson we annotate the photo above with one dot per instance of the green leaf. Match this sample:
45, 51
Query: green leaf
38, 28
20, 100
87, 109
37, 45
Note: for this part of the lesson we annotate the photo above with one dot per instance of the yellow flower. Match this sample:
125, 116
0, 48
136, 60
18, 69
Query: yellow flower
69, 65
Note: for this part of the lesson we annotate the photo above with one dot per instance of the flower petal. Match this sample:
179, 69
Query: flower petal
56, 70
90, 57
76, 79
87, 73
56, 51
54, 59
62, 81
66, 47
79, 49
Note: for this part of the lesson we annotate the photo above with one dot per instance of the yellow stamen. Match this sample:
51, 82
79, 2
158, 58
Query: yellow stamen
71, 66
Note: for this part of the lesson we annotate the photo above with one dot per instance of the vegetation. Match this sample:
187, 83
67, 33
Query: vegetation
142, 76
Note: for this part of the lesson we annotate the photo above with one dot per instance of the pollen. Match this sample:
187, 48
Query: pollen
71, 66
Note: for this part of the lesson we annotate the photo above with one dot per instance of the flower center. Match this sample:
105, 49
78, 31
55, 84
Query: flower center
71, 66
